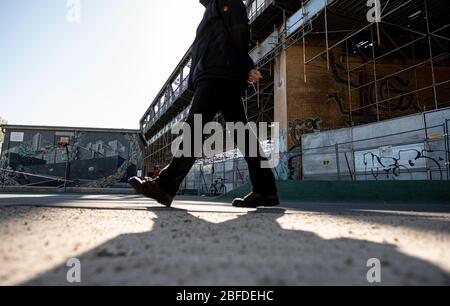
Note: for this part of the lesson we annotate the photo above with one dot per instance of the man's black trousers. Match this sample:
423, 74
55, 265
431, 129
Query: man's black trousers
211, 97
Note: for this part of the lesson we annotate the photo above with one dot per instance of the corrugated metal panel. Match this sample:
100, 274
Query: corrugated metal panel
263, 49
300, 18
398, 149
402, 130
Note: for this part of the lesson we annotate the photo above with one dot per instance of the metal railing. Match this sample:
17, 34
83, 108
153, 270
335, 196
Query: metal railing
180, 90
383, 157
15, 178
256, 7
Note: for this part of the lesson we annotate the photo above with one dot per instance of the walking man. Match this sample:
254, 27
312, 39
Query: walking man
220, 72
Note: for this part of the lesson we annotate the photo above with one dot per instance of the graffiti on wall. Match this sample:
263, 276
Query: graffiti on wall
282, 170
387, 165
393, 91
299, 127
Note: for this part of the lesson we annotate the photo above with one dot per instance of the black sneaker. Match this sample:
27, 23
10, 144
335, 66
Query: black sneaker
254, 200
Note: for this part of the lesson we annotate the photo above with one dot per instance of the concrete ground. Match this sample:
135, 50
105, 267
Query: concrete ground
128, 240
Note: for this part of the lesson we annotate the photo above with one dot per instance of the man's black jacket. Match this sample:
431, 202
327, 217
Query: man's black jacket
220, 49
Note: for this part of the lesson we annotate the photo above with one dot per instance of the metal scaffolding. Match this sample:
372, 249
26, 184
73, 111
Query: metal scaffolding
413, 35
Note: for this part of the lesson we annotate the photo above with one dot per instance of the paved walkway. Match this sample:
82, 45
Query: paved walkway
131, 240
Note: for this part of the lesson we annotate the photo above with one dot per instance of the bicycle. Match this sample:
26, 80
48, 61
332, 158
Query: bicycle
218, 187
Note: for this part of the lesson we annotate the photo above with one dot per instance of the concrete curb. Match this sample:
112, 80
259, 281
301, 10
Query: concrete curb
429, 192
22, 189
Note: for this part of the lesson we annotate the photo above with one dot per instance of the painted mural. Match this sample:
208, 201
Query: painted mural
396, 91
92, 159
299, 127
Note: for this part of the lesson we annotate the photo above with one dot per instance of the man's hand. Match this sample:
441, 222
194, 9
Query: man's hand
254, 76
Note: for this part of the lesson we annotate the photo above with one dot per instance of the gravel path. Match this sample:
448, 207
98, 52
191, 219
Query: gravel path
214, 244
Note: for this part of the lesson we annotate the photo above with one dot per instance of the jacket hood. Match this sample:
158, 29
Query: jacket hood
205, 2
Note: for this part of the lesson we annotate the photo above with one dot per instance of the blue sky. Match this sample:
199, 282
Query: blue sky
101, 72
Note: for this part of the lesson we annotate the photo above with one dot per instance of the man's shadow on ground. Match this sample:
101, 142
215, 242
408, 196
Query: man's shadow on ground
252, 249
